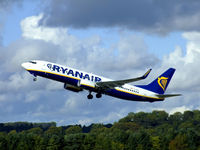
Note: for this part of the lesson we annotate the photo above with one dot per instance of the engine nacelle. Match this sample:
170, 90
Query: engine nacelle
72, 88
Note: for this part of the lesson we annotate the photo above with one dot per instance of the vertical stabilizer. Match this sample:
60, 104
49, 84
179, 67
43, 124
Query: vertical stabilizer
159, 85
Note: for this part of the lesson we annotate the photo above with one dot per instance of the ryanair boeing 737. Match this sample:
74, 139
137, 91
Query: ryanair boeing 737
76, 81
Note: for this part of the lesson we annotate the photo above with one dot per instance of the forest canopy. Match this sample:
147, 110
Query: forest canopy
156, 130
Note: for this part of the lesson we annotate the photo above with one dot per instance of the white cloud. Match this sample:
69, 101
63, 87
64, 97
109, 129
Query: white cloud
179, 109
187, 75
130, 49
112, 117
32, 30
32, 96
87, 121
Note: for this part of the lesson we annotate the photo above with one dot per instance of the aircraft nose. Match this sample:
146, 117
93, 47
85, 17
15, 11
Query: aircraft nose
25, 65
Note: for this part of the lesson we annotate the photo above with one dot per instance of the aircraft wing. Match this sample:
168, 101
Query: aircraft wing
119, 83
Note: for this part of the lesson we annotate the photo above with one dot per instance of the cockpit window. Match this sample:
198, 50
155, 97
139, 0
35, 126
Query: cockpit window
33, 62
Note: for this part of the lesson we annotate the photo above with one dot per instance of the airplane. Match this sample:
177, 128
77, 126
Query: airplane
77, 81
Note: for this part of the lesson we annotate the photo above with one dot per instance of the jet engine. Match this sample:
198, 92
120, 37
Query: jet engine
72, 88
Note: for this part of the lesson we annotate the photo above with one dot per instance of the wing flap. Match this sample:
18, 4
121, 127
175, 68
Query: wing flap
119, 83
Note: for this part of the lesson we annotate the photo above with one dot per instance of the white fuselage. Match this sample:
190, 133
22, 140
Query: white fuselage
84, 80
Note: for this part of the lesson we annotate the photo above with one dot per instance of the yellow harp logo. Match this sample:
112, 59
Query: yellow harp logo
162, 81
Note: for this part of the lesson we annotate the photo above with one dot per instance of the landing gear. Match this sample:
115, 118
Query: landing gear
90, 96
98, 95
35, 79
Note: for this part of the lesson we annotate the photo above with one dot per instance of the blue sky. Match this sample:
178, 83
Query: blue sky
117, 46
12, 29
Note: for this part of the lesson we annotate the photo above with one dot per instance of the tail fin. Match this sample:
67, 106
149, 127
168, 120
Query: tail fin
159, 85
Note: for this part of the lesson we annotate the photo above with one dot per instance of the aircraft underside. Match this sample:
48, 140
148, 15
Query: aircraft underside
74, 82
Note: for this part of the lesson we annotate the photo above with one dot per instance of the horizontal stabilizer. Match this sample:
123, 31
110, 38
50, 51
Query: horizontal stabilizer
167, 95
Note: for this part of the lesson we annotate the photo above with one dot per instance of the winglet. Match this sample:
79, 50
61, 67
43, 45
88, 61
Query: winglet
146, 74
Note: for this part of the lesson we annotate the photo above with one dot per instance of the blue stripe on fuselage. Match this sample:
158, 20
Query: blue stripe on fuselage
129, 96
56, 77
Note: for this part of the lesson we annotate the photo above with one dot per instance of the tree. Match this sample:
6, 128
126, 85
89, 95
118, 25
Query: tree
73, 130
166, 133
128, 118
117, 146
54, 131
12, 139
3, 141
188, 115
156, 144
142, 119
176, 119
74, 141
89, 141
55, 142
179, 143
53, 137
96, 127
23, 142
102, 142
139, 140
126, 126
157, 118
36, 131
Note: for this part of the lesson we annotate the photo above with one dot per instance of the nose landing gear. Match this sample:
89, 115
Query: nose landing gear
35, 79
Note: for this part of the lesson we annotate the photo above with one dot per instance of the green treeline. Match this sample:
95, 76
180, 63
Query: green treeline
21, 126
137, 131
